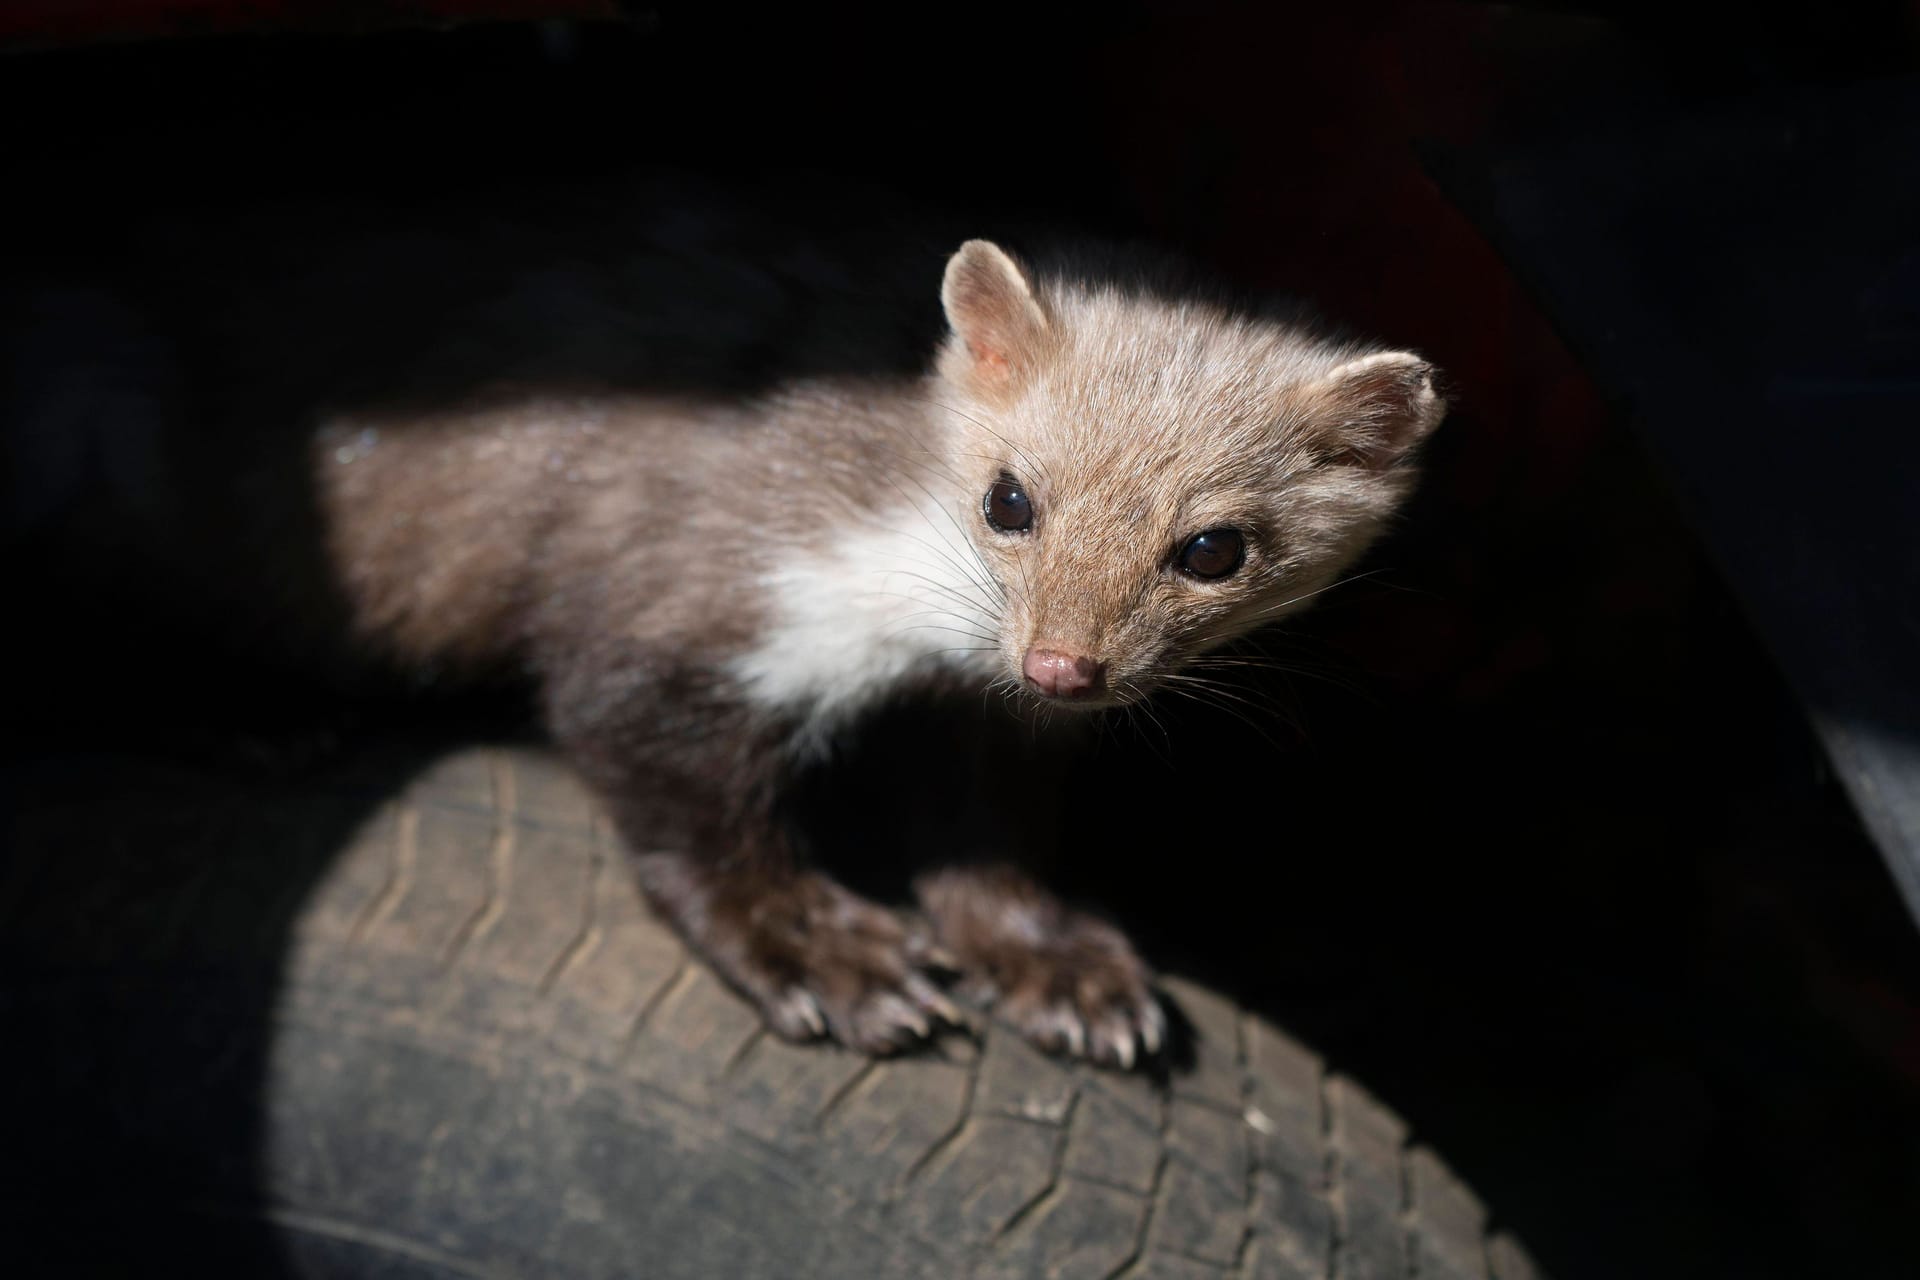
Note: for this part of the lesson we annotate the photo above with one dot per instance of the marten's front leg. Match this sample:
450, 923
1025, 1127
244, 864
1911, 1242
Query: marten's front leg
692, 784
817, 959
1071, 982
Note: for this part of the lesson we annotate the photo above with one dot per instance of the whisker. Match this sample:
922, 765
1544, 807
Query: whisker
1285, 671
1029, 462
965, 542
1033, 466
1204, 697
1217, 689
989, 588
934, 626
951, 592
1138, 707
1237, 659
1272, 609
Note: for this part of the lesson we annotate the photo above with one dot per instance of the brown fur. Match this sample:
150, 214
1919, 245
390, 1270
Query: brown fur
1138, 422
626, 551
711, 505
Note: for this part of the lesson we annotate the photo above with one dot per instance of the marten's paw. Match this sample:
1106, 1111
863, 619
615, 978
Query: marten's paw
823, 962
1071, 983
1082, 992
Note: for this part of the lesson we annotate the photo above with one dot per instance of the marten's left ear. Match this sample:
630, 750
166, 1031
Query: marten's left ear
1376, 408
999, 326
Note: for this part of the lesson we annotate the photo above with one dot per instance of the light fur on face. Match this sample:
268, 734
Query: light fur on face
1135, 422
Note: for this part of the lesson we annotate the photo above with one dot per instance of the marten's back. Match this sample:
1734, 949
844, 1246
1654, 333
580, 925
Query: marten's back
161, 398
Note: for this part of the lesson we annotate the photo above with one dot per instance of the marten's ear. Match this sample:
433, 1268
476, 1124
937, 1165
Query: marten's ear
1376, 408
999, 326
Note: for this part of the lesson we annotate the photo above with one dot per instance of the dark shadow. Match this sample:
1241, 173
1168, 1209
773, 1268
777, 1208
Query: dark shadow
146, 895
187, 286
1561, 879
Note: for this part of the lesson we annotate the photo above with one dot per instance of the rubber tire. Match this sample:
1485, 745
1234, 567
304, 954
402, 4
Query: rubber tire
363, 1028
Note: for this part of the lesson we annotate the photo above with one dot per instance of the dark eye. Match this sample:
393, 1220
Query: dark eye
1007, 506
1213, 554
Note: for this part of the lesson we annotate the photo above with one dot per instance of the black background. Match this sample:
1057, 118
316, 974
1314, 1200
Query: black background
1536, 842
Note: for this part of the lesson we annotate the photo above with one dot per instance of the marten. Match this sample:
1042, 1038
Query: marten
1091, 479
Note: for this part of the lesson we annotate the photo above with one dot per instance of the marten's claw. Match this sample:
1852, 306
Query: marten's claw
1069, 982
883, 1020
1085, 996
821, 962
1153, 1028
796, 1015
1120, 1031
1112, 1040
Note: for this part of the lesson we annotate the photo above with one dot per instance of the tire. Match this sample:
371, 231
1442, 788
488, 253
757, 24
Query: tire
331, 1028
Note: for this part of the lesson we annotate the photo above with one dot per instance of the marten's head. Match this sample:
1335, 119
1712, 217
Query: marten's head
1148, 478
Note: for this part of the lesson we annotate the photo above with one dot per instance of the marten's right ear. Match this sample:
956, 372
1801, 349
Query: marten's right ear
999, 326
1375, 409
